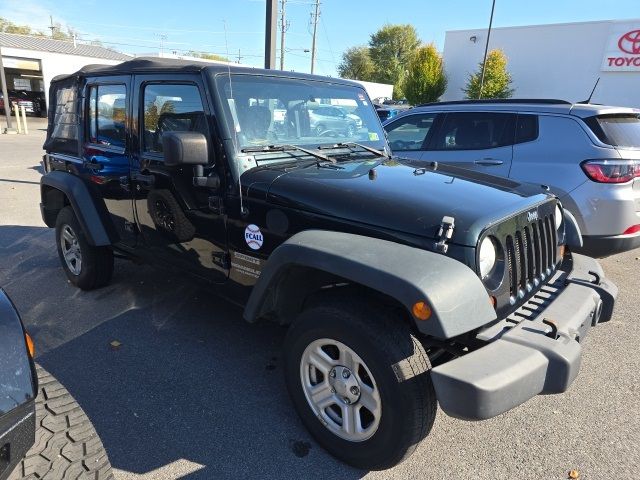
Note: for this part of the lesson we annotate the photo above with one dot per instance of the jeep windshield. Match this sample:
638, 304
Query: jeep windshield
264, 111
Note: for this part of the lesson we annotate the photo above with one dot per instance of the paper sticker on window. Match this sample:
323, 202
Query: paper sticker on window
373, 136
361, 96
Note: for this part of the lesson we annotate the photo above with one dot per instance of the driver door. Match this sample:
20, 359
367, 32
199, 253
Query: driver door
409, 134
181, 224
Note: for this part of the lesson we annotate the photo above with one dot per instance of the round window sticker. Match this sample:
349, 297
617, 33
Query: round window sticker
253, 237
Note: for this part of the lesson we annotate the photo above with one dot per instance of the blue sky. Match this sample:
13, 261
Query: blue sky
134, 26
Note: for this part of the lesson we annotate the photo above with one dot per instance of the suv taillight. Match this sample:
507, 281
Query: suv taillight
611, 170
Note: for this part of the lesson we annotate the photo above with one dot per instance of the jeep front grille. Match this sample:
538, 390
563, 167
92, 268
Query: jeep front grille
530, 256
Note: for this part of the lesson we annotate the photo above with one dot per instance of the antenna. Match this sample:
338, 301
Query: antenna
588, 100
243, 211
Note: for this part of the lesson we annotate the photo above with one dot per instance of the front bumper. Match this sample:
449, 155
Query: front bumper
536, 350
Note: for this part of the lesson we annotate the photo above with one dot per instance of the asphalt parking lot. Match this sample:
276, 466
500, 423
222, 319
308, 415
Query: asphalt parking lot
195, 392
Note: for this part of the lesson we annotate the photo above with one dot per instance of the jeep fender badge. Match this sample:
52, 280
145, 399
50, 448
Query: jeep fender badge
253, 237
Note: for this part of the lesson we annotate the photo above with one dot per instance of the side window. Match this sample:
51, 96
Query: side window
171, 108
107, 115
475, 131
526, 128
409, 133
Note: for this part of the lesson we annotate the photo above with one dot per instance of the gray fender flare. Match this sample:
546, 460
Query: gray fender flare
572, 232
458, 300
92, 213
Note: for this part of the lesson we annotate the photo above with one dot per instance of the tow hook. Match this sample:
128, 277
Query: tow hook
554, 328
596, 277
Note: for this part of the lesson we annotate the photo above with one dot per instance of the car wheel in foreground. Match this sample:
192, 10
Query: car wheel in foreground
360, 382
67, 445
86, 266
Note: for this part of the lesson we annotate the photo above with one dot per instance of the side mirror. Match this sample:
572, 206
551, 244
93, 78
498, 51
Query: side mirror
184, 148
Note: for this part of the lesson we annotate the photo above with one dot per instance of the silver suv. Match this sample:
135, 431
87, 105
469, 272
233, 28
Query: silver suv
588, 155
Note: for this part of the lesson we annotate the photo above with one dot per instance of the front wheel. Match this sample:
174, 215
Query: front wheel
360, 382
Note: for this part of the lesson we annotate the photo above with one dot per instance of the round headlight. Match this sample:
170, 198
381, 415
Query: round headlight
558, 217
487, 257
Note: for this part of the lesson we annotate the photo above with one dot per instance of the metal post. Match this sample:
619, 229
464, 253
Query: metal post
283, 31
486, 49
24, 119
5, 95
270, 34
315, 16
17, 110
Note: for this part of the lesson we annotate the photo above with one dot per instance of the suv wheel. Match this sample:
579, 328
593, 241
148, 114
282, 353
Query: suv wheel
86, 266
360, 382
67, 445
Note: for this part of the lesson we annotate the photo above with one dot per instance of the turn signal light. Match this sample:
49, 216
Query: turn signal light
561, 251
421, 311
632, 229
30, 346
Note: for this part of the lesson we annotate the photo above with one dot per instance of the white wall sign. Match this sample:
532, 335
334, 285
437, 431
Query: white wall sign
622, 52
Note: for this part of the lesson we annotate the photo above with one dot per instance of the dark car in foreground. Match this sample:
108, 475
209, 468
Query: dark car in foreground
44, 434
403, 286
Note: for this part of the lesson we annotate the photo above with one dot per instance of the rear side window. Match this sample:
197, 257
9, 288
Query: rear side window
64, 133
171, 108
409, 133
475, 131
526, 128
107, 115
617, 130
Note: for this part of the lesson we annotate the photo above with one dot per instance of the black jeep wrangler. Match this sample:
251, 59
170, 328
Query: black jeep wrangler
404, 286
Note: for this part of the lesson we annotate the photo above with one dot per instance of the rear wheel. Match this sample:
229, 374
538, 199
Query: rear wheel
360, 382
86, 266
67, 445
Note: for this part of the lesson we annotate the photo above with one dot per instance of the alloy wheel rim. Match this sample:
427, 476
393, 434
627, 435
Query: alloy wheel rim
71, 250
340, 389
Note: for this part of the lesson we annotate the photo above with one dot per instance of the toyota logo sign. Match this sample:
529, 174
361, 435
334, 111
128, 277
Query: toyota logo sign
630, 42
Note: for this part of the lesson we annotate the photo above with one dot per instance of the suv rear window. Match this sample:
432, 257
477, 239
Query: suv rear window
618, 130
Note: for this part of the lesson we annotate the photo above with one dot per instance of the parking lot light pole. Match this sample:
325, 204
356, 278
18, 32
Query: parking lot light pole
5, 95
486, 49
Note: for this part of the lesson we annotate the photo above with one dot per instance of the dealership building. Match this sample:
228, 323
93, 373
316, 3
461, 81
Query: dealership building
561, 61
30, 62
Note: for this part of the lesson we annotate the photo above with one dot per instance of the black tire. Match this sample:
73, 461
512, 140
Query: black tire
399, 366
96, 268
67, 445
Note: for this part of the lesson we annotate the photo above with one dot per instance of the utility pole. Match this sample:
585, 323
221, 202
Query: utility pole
284, 26
239, 56
314, 21
52, 27
486, 48
5, 95
270, 34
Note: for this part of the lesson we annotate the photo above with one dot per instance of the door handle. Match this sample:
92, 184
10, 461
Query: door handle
92, 164
487, 162
145, 180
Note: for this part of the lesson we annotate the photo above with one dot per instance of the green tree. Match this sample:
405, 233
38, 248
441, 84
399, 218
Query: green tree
7, 26
391, 49
426, 80
497, 80
207, 56
356, 64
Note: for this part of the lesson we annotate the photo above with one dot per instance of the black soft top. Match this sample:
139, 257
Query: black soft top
157, 65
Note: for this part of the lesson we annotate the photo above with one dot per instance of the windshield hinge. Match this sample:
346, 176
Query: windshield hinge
444, 234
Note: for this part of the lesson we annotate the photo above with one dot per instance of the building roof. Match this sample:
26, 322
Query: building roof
45, 44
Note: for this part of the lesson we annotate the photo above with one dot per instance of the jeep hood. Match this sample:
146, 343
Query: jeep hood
396, 196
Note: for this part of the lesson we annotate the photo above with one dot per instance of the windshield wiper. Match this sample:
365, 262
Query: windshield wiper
287, 148
352, 145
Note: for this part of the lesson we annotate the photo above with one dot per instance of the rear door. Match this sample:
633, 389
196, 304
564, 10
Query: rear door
106, 148
181, 224
480, 141
409, 134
